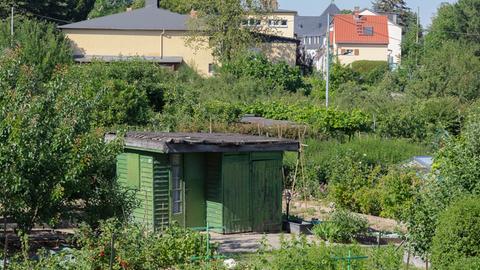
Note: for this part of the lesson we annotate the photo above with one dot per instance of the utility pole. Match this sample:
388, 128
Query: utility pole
11, 28
418, 23
327, 85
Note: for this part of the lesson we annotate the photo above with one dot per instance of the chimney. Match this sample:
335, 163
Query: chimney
356, 13
270, 4
151, 3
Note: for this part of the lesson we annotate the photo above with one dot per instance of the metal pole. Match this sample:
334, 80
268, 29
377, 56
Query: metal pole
327, 85
418, 22
11, 28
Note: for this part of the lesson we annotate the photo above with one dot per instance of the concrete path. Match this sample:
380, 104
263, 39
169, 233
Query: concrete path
250, 242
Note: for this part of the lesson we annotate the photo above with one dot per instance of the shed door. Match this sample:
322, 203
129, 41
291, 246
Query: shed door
236, 193
267, 186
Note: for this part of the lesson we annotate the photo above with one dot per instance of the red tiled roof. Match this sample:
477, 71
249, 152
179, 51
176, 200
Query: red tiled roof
347, 29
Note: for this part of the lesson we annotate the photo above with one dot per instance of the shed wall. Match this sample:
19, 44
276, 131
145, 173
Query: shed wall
127, 165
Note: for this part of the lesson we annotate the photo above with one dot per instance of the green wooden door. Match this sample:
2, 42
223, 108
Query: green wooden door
236, 193
194, 174
177, 190
267, 186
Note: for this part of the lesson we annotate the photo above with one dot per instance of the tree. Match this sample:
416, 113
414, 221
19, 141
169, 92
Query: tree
107, 7
454, 22
59, 11
38, 45
52, 153
398, 7
457, 175
220, 26
450, 70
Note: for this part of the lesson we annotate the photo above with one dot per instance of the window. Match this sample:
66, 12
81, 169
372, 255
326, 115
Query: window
278, 23
177, 189
347, 52
211, 68
368, 31
251, 22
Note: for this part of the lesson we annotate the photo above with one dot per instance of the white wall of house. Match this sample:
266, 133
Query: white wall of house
395, 40
359, 52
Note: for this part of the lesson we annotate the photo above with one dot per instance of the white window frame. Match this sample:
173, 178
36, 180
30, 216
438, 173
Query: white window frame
278, 23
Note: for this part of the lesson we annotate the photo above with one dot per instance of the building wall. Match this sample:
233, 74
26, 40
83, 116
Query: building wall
280, 30
140, 43
365, 52
149, 43
395, 40
281, 51
395, 43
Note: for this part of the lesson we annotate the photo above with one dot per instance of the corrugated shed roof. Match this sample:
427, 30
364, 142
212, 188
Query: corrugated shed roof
347, 29
147, 18
203, 142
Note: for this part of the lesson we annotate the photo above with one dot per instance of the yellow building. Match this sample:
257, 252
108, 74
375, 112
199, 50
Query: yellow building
161, 36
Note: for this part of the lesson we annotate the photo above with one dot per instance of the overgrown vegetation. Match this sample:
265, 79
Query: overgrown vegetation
53, 116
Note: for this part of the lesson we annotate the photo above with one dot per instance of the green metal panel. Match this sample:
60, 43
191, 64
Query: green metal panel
213, 189
161, 195
236, 193
194, 174
144, 213
267, 186
133, 170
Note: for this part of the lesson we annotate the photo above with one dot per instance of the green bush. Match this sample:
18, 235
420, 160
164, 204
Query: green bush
135, 248
457, 236
342, 226
257, 66
370, 72
40, 46
328, 121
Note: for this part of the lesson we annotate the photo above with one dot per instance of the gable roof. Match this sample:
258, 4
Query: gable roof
348, 29
314, 25
147, 18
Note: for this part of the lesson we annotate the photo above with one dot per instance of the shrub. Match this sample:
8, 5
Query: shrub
256, 65
457, 236
397, 192
343, 226
370, 72
40, 46
135, 248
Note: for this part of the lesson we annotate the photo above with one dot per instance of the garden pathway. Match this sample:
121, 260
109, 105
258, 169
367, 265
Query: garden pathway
250, 242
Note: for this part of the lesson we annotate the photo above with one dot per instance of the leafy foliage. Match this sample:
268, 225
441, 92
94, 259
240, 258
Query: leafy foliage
458, 21
53, 10
342, 226
458, 233
107, 7
329, 121
37, 45
134, 248
257, 66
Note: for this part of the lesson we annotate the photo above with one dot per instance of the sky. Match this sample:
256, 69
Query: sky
428, 8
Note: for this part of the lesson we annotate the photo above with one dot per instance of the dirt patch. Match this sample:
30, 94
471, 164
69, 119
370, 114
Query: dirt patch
321, 210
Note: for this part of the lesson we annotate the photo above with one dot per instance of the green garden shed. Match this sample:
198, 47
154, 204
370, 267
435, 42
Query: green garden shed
231, 182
